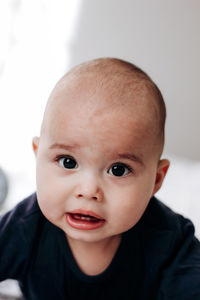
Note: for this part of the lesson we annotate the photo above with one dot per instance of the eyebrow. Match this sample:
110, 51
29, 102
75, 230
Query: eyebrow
132, 157
63, 146
129, 156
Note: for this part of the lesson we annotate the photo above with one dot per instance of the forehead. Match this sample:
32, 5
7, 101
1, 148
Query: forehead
93, 93
80, 110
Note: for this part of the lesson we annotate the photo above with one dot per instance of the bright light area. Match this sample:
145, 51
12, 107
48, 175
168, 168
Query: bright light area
34, 53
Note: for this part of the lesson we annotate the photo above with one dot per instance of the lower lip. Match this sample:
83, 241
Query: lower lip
83, 225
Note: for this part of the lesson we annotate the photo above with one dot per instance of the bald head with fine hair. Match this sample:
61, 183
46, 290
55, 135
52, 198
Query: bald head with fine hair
122, 85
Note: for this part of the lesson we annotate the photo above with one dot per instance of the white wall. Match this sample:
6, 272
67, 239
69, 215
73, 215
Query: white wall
34, 54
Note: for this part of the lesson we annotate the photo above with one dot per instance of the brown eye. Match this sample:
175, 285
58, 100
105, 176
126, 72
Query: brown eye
119, 170
67, 162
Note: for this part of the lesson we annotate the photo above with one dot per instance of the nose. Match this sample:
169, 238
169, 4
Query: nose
89, 189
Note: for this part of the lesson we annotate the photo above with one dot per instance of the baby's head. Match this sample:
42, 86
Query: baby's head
98, 156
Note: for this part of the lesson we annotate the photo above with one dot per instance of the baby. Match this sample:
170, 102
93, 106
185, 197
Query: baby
94, 230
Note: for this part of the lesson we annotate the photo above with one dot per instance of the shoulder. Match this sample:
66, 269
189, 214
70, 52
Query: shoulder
26, 207
172, 238
25, 222
19, 228
160, 216
166, 232
23, 212
162, 221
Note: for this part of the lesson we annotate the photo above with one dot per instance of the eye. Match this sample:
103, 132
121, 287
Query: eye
119, 169
67, 162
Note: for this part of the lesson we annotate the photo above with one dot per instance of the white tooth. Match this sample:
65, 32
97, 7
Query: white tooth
77, 217
85, 218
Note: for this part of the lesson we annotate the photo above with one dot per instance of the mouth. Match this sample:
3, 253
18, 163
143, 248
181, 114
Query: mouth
84, 220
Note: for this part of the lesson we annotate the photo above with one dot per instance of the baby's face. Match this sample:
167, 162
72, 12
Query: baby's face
96, 166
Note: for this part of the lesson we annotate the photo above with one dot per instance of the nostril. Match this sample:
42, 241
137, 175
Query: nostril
92, 197
79, 195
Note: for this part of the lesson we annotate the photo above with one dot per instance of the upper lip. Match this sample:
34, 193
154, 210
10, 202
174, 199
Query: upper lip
86, 213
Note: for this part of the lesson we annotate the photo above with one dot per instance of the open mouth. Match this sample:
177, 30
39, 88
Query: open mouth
84, 221
84, 217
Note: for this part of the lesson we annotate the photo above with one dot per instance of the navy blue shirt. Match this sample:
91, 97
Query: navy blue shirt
159, 258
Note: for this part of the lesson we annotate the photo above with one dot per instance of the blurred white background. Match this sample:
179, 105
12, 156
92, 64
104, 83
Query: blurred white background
35, 39
41, 39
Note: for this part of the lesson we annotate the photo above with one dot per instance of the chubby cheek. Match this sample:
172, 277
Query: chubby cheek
129, 206
51, 194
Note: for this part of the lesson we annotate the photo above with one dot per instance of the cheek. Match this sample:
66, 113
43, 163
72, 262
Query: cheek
52, 193
49, 181
129, 203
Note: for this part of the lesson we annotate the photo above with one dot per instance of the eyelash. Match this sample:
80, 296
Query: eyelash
125, 166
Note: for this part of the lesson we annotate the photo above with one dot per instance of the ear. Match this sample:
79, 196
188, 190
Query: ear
163, 166
35, 144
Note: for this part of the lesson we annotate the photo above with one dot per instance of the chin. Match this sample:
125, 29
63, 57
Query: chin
86, 237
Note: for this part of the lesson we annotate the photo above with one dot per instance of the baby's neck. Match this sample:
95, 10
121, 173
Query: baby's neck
94, 258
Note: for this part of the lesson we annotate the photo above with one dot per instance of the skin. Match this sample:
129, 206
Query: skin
81, 123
